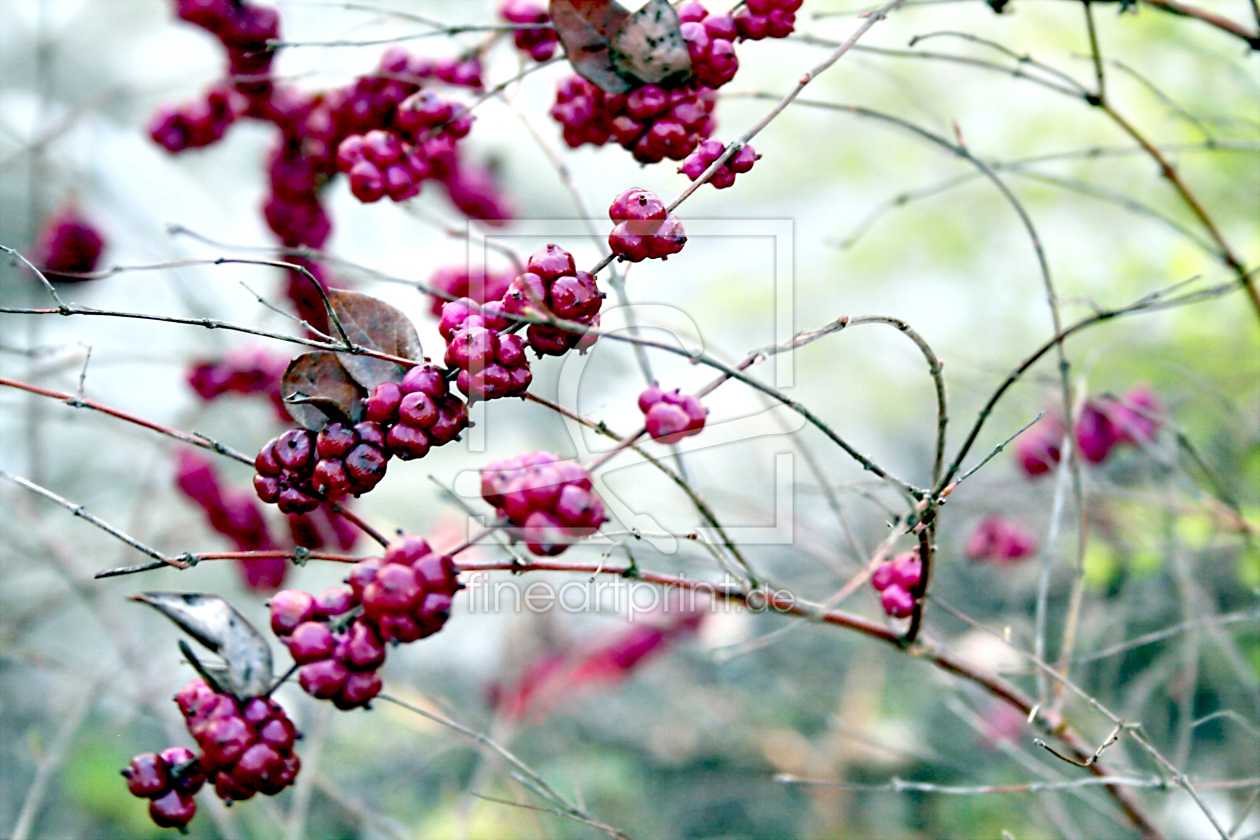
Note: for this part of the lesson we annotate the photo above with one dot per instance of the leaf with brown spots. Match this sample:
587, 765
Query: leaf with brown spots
372, 323
587, 28
650, 47
317, 389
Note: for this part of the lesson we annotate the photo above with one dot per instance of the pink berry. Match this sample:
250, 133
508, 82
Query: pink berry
147, 775
897, 602
174, 809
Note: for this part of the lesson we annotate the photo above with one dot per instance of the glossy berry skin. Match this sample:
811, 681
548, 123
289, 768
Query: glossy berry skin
147, 776
550, 284
671, 416
644, 229
895, 579
708, 152
246, 748
174, 809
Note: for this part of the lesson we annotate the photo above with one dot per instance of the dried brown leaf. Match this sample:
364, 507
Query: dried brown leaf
317, 389
376, 325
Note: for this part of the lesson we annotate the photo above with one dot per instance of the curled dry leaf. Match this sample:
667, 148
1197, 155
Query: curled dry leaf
318, 389
216, 624
619, 51
372, 323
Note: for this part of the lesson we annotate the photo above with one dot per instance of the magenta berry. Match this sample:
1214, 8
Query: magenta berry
643, 230
550, 502
895, 579
1000, 541
67, 243
147, 776
671, 416
289, 609
174, 809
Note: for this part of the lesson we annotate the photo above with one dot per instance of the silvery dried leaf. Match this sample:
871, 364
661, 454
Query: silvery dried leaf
217, 625
317, 388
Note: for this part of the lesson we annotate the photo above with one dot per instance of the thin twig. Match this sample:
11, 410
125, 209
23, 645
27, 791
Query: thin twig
83, 513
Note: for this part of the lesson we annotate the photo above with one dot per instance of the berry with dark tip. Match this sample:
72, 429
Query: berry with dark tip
174, 809
147, 775
644, 229
709, 151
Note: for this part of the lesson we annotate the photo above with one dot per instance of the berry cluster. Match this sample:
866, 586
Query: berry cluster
671, 416
313, 126
67, 243
244, 31
299, 469
644, 228
1001, 541
491, 363
476, 284
198, 123
246, 745
711, 44
709, 151
539, 42
552, 283
169, 780
245, 371
549, 502
417, 413
246, 748
651, 122
1104, 423
894, 580
767, 19
338, 637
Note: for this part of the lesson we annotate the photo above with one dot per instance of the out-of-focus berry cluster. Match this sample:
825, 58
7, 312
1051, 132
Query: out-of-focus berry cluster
476, 284
246, 371
67, 242
538, 42
388, 130
1000, 541
1104, 423
550, 503
236, 515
